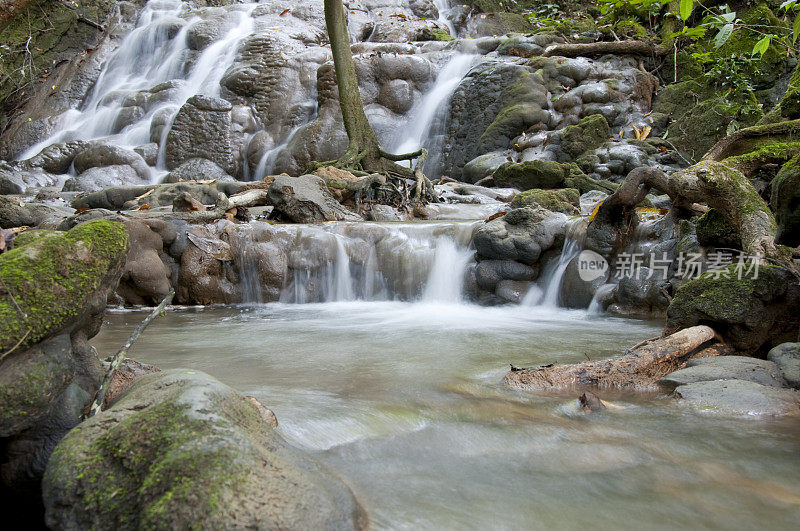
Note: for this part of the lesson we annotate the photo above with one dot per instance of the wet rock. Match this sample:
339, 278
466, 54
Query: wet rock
738, 398
785, 200
201, 129
16, 213
713, 230
126, 373
787, 357
149, 152
384, 213
521, 235
641, 295
145, 279
488, 273
726, 368
95, 179
203, 279
197, 170
576, 292
512, 291
397, 96
306, 199
751, 314
111, 198
101, 156
187, 449
57, 158
16, 180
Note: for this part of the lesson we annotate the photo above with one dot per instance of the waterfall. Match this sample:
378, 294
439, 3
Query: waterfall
427, 117
154, 52
340, 262
444, 9
446, 280
552, 277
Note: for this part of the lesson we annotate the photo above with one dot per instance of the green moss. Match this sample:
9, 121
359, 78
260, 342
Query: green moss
38, 36
715, 231
785, 201
531, 174
51, 277
435, 34
564, 200
587, 135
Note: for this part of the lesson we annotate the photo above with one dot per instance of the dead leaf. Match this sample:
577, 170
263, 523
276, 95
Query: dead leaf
636, 132
145, 206
494, 216
646, 132
285, 12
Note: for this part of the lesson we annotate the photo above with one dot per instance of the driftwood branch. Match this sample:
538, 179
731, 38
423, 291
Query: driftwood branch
120, 355
637, 369
630, 47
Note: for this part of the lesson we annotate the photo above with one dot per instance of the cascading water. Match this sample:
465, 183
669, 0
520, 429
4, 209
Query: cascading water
426, 120
342, 262
154, 52
444, 9
553, 275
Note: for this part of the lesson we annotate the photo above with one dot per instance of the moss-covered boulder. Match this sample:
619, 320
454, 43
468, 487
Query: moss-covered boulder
587, 135
531, 174
753, 311
714, 230
179, 449
565, 200
49, 279
785, 201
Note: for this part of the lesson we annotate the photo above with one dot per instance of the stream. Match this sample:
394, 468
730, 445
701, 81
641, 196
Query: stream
405, 401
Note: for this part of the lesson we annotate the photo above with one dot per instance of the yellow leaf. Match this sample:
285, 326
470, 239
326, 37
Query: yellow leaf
594, 212
636, 132
646, 132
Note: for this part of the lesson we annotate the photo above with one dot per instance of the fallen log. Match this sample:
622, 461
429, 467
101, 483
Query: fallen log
630, 47
638, 369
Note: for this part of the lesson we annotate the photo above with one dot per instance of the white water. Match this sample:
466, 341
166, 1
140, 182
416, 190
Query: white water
443, 6
340, 262
553, 275
430, 111
145, 58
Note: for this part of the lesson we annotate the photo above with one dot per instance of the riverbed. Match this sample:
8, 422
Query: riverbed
404, 400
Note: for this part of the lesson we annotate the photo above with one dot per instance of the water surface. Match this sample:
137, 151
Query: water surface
404, 400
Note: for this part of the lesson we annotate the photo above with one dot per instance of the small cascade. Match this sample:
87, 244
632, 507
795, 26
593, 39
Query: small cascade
553, 275
426, 120
446, 279
248, 277
444, 9
341, 262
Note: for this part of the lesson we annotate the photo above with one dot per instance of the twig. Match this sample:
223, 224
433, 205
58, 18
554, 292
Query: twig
15, 346
120, 355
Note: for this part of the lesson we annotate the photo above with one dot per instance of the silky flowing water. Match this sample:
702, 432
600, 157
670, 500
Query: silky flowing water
404, 400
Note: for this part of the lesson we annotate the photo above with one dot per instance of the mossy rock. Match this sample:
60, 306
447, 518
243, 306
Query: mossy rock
583, 183
501, 23
531, 174
564, 200
179, 449
435, 34
713, 230
677, 99
49, 279
752, 311
587, 135
785, 201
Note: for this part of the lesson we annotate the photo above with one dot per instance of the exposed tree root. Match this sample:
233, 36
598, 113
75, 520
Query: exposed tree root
745, 140
638, 369
714, 183
630, 47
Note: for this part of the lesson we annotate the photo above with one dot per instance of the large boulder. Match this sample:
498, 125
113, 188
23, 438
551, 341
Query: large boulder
98, 178
197, 170
531, 174
744, 368
521, 235
306, 199
55, 287
739, 398
187, 450
15, 213
201, 129
102, 155
752, 313
787, 357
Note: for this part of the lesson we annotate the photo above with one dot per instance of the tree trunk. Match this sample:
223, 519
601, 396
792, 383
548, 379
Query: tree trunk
363, 142
638, 369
